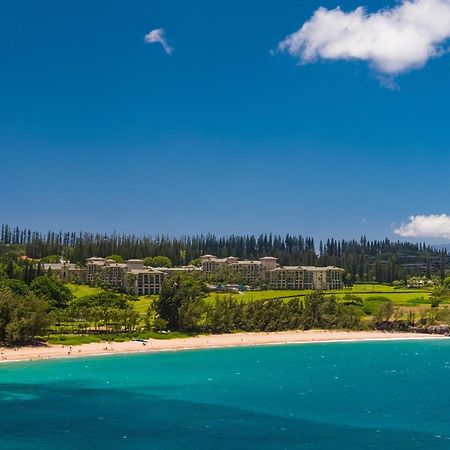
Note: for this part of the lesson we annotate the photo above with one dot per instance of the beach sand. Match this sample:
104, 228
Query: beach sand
44, 352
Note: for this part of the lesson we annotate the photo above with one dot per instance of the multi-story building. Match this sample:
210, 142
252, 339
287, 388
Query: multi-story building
131, 276
94, 266
266, 270
305, 277
65, 271
145, 281
249, 271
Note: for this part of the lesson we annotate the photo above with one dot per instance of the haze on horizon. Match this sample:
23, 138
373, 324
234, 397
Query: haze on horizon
181, 118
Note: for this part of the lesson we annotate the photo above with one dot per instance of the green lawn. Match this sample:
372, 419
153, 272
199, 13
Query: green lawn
81, 290
144, 302
400, 297
256, 295
372, 288
78, 339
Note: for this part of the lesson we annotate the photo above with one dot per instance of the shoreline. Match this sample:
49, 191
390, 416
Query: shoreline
215, 341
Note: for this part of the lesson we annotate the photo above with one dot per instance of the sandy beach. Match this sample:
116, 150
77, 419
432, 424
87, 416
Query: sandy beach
199, 342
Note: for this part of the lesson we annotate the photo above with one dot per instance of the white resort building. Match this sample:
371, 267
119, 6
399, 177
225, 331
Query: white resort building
65, 271
305, 277
250, 271
131, 276
268, 271
135, 278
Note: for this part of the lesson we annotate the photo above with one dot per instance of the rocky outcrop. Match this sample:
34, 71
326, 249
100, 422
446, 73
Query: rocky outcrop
432, 329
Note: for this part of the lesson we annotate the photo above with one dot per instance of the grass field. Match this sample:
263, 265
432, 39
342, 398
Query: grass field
372, 288
401, 297
144, 302
81, 290
78, 339
257, 295
365, 291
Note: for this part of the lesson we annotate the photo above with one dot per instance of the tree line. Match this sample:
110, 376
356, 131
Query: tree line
363, 260
47, 305
182, 306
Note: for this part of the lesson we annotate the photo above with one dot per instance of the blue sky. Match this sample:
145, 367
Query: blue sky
101, 131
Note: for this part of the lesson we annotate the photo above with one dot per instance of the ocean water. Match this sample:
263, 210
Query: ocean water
344, 396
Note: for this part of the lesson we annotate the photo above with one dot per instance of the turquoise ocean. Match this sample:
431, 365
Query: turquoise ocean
344, 396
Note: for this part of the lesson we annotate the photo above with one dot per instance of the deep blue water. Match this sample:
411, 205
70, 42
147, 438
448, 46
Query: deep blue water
344, 396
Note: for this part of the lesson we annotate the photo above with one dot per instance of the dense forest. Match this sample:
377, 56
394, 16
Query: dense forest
363, 259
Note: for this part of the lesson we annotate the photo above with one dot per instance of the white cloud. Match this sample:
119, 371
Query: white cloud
391, 40
157, 36
432, 226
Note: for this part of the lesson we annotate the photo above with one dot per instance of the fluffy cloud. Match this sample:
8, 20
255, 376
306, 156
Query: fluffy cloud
391, 40
157, 36
432, 226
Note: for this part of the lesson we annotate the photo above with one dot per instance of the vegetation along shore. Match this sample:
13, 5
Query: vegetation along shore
43, 308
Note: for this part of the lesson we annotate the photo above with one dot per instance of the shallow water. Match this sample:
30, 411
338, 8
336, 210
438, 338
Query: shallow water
367, 395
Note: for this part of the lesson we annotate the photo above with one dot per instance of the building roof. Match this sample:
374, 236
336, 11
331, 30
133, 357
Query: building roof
60, 266
149, 270
115, 264
179, 269
96, 263
306, 268
234, 259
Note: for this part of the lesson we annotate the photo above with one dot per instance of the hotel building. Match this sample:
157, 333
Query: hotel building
305, 277
250, 271
135, 278
65, 271
266, 270
131, 276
